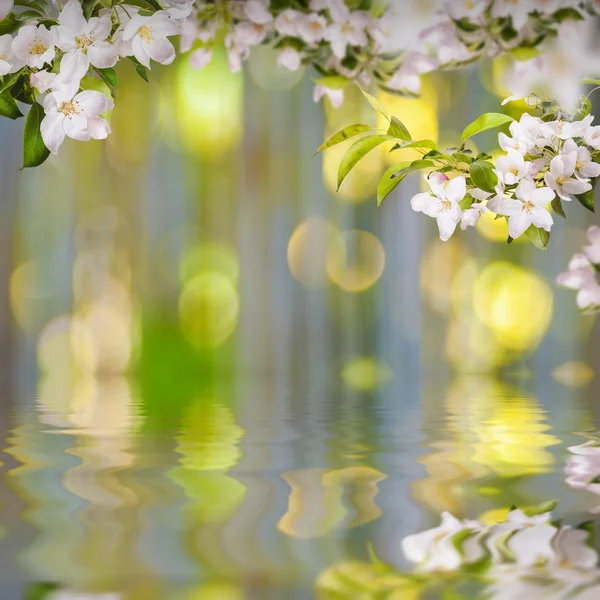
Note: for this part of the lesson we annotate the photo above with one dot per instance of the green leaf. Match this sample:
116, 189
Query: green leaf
9, 24
539, 238
483, 176
34, 149
557, 207
8, 106
587, 199
584, 110
388, 183
9, 81
524, 53
485, 122
466, 202
428, 144
398, 130
110, 76
141, 71
590, 81
333, 82
146, 4
343, 135
357, 151
385, 186
377, 105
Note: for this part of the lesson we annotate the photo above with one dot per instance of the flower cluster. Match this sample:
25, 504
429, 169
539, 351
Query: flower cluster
527, 549
546, 160
62, 56
583, 275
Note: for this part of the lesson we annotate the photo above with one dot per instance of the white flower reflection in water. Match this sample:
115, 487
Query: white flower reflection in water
526, 556
583, 468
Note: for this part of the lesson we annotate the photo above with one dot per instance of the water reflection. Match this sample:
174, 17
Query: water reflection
106, 496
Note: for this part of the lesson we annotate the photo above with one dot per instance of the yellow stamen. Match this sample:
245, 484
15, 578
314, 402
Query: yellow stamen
70, 109
145, 33
37, 48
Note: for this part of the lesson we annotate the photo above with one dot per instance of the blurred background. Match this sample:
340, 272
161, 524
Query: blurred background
221, 377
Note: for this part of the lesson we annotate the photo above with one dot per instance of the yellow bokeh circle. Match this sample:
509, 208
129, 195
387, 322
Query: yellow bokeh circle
359, 264
310, 244
514, 303
209, 309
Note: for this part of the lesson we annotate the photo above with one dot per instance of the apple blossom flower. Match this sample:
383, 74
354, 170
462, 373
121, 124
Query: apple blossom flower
337, 9
581, 276
348, 31
42, 81
336, 97
528, 208
147, 37
585, 167
74, 115
408, 76
35, 45
517, 10
6, 7
83, 42
289, 58
471, 216
591, 136
9, 63
178, 9
560, 176
466, 9
512, 167
442, 205
593, 250
286, 23
312, 28
200, 58
257, 11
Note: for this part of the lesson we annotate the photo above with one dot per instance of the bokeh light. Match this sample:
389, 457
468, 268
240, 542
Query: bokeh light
515, 303
361, 263
267, 74
309, 247
208, 108
366, 373
209, 309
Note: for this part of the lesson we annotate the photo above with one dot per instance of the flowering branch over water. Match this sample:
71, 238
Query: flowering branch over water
59, 57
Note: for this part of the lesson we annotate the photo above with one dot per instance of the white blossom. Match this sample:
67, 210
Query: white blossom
74, 115
35, 45
147, 38
289, 58
581, 276
336, 97
9, 62
442, 205
527, 208
560, 177
84, 42
6, 7
512, 167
